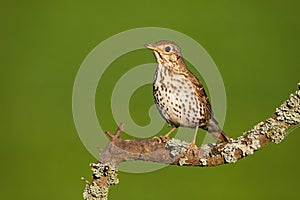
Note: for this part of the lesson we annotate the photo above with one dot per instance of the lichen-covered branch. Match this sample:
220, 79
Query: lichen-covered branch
176, 152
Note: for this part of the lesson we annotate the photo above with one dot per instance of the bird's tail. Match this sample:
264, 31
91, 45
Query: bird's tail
214, 129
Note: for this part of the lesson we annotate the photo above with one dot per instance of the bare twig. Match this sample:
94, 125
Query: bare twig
176, 152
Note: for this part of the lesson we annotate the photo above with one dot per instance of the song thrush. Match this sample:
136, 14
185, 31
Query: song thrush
179, 95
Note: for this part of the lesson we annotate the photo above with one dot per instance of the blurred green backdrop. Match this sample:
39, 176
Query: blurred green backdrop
255, 45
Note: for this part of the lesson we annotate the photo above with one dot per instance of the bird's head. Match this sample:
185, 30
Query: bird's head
166, 52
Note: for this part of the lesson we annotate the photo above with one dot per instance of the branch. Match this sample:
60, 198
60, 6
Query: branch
176, 152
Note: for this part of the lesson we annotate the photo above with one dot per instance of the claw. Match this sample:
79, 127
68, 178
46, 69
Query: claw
157, 138
161, 139
193, 149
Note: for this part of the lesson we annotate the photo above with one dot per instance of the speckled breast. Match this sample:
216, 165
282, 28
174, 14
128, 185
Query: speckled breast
176, 99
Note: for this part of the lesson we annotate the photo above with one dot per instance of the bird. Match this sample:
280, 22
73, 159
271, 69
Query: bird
179, 95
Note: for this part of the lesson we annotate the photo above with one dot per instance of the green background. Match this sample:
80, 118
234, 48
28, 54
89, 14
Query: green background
255, 45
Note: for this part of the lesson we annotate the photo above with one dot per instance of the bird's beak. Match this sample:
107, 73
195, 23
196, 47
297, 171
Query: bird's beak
153, 48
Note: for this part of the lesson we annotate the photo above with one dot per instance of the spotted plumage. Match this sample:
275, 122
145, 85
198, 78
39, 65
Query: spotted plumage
179, 95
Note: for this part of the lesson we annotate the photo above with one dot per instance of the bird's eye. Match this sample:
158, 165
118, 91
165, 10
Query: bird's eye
168, 49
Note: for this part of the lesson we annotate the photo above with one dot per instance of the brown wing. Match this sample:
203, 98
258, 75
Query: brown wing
199, 90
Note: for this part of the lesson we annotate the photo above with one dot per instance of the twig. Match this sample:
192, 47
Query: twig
176, 152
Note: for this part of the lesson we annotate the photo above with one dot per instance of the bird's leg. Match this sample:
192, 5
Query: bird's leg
165, 138
195, 136
193, 148
169, 133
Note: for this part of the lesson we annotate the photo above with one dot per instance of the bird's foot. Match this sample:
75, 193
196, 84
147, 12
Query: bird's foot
161, 138
193, 149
